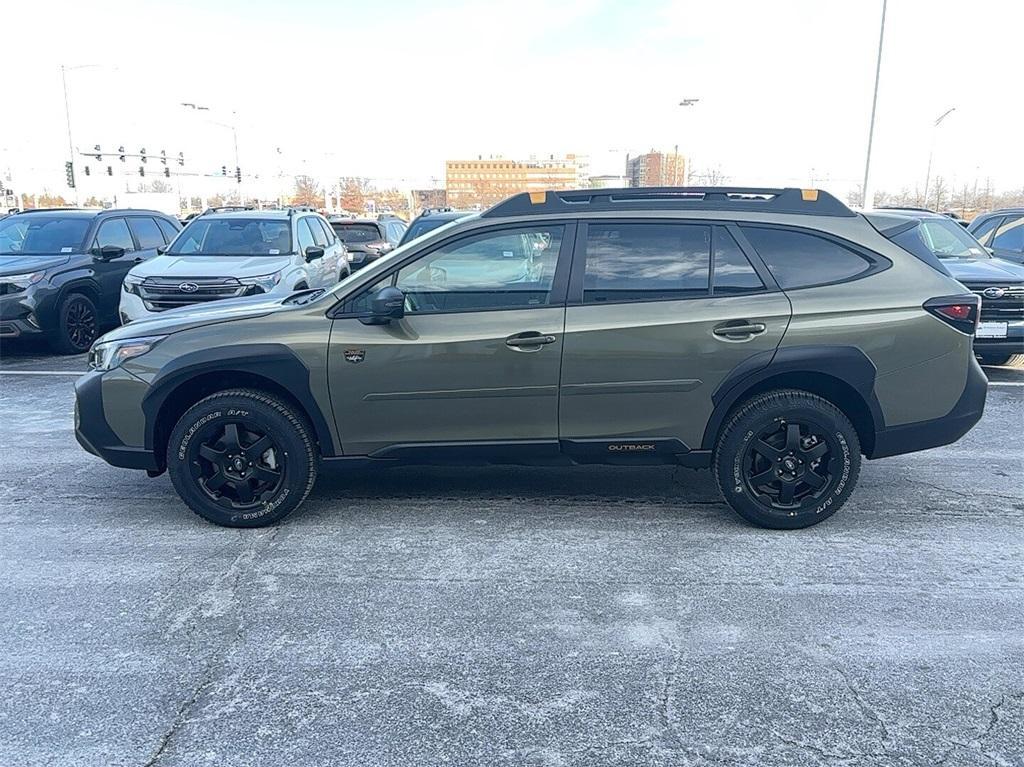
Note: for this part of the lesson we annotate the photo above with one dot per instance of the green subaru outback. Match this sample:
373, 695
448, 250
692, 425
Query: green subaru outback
772, 335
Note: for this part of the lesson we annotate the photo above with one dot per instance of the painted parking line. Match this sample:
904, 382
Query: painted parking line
43, 372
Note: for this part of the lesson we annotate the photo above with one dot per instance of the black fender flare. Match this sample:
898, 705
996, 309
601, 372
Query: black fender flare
275, 362
845, 363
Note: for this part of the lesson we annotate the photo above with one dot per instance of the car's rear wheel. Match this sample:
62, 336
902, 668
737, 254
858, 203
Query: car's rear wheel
1003, 360
77, 325
787, 459
242, 459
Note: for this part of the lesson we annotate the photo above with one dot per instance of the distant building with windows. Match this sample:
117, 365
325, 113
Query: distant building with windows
485, 181
656, 169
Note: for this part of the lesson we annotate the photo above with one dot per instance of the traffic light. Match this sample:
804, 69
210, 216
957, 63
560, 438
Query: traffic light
87, 170
142, 170
238, 174
223, 170
167, 172
69, 173
163, 157
99, 152
142, 154
110, 171
120, 156
181, 158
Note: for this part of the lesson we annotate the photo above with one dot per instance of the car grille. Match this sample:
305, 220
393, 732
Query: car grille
1006, 308
162, 293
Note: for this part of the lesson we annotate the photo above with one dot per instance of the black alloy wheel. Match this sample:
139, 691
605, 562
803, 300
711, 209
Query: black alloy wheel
78, 325
238, 466
790, 465
787, 459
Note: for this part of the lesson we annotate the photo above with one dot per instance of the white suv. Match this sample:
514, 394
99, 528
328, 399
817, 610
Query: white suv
229, 255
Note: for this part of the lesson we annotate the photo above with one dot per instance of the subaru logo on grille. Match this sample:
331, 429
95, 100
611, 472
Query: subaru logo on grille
993, 292
188, 287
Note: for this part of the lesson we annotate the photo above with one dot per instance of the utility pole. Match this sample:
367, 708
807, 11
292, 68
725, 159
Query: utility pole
686, 169
867, 191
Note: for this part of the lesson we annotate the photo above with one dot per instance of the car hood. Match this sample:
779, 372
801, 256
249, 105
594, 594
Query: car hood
988, 270
22, 264
176, 320
210, 266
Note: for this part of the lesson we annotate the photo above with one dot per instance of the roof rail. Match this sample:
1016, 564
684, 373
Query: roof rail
813, 202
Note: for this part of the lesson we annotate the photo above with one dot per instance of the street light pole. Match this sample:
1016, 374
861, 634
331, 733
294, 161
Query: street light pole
686, 169
931, 151
867, 192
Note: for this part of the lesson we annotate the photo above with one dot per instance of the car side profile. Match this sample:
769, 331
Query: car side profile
61, 270
772, 335
236, 253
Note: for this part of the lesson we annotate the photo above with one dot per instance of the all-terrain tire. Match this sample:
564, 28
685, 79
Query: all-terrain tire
787, 459
242, 458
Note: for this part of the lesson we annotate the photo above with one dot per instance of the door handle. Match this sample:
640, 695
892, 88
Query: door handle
739, 330
529, 341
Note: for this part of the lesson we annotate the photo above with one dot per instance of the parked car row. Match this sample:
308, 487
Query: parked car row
68, 274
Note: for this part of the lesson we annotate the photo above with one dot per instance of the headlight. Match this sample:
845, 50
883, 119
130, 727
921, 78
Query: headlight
109, 354
265, 282
21, 281
131, 284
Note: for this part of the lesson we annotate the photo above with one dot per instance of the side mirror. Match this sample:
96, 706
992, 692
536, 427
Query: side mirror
314, 252
108, 252
388, 304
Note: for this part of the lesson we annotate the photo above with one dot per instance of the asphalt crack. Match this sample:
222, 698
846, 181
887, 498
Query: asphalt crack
235, 575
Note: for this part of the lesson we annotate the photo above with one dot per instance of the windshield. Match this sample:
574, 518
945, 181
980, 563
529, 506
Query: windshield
947, 239
351, 233
36, 235
233, 237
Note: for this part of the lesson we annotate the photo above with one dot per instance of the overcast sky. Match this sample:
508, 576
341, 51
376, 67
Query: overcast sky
390, 90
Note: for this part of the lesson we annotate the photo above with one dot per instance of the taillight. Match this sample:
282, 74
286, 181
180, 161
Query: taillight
961, 311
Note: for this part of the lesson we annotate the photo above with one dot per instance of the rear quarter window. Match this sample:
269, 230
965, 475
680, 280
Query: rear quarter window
804, 260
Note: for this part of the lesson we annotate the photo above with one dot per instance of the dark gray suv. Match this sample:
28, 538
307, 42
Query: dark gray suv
61, 270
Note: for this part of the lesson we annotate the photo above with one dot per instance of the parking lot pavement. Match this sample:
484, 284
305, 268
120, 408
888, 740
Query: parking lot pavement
498, 616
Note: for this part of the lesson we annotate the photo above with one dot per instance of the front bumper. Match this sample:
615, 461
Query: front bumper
94, 433
17, 317
911, 437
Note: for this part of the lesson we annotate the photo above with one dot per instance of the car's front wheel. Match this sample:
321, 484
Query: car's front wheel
77, 325
787, 459
242, 458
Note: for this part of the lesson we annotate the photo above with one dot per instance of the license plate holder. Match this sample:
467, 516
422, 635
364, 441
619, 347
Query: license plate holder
991, 330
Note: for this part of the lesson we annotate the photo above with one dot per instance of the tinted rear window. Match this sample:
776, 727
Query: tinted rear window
802, 260
646, 262
357, 232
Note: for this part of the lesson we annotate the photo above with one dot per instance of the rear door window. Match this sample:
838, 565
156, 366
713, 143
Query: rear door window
803, 260
146, 232
646, 262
